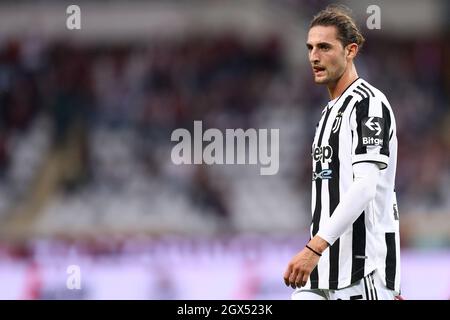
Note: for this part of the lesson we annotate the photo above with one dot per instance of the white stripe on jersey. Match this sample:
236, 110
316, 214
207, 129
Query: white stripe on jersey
359, 126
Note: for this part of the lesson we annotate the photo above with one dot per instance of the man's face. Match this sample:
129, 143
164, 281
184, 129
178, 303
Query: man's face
326, 54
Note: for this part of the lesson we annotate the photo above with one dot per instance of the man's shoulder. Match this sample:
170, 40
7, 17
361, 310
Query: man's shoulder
365, 90
365, 96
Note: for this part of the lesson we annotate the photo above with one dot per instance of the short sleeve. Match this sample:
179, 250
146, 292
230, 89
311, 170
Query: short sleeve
370, 125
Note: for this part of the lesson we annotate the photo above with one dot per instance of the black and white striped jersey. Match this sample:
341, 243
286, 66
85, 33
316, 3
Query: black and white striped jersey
359, 126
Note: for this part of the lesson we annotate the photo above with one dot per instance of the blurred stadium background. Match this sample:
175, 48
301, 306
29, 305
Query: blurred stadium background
85, 122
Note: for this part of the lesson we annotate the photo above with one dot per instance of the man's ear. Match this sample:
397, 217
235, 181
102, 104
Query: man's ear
352, 50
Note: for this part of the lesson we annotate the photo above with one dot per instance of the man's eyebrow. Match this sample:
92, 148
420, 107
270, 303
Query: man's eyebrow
319, 44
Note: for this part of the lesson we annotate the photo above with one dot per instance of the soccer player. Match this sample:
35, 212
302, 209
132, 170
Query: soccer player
353, 252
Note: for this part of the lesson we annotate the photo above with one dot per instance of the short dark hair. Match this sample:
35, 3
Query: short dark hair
340, 17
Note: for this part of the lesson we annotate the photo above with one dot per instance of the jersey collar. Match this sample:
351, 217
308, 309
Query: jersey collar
335, 100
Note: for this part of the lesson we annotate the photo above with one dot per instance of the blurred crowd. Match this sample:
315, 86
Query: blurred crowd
117, 105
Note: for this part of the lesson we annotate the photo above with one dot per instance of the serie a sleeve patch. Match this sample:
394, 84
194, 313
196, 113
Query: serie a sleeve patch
372, 132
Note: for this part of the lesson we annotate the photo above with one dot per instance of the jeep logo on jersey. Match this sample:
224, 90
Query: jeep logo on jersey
323, 154
372, 132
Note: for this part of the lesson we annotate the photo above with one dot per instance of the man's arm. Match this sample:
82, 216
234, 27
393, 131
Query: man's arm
360, 193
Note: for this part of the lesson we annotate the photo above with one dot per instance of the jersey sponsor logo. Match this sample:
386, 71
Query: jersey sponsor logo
374, 124
323, 154
372, 131
371, 141
324, 174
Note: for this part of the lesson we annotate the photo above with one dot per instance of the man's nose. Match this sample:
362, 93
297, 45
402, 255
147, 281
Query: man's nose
313, 56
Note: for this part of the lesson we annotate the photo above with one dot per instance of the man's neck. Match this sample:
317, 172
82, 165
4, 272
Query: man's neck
337, 88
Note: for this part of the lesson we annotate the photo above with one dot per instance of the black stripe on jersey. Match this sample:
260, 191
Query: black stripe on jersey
387, 127
364, 90
358, 248
358, 92
334, 191
324, 124
362, 111
362, 83
333, 279
367, 291
373, 285
318, 206
391, 260
372, 296
314, 277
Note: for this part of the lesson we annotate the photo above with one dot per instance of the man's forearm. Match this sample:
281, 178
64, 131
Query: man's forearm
318, 244
352, 204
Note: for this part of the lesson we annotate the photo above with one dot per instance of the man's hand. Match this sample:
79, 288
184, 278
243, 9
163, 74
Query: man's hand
303, 263
300, 267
